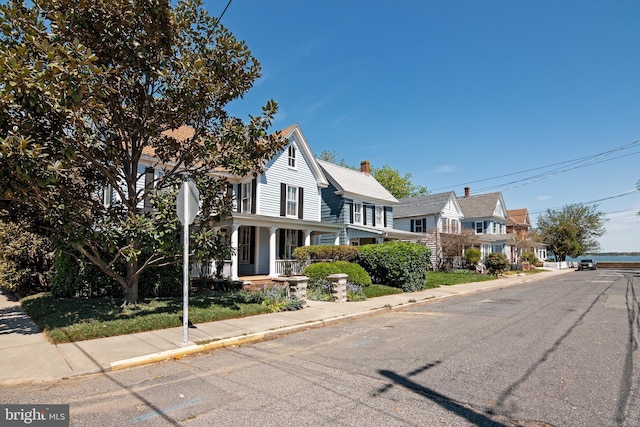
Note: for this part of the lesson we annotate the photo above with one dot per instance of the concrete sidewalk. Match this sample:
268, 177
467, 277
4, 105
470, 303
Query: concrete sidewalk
27, 356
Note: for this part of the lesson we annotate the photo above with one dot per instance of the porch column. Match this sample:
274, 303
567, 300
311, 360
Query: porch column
272, 252
234, 252
337, 239
307, 237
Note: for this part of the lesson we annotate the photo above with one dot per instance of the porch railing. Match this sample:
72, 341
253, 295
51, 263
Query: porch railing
208, 270
281, 266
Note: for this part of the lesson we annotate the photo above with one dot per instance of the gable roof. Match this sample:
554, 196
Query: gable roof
356, 185
426, 204
518, 217
295, 132
482, 206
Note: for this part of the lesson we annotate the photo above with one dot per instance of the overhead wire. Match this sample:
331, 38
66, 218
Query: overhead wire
569, 165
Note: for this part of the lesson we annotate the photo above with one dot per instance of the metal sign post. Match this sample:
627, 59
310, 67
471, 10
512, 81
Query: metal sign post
187, 207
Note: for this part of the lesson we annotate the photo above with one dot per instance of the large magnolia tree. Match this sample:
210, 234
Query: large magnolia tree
571, 231
88, 89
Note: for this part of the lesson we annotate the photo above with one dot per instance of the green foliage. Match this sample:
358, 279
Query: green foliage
447, 278
273, 298
68, 320
399, 186
356, 274
572, 231
399, 264
496, 263
75, 278
472, 257
530, 257
25, 260
326, 252
374, 290
88, 89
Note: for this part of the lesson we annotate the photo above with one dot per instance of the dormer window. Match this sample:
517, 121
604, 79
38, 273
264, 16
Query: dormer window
292, 156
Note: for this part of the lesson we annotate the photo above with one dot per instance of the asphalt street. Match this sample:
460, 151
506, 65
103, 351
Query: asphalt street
560, 351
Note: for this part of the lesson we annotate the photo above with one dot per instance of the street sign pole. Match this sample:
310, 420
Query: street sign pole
187, 206
185, 273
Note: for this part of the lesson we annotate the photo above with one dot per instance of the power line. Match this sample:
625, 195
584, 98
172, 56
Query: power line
627, 193
223, 12
573, 164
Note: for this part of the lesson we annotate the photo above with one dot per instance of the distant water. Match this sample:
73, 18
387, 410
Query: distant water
608, 258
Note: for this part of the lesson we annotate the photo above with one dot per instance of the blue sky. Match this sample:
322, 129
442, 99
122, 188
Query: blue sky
485, 94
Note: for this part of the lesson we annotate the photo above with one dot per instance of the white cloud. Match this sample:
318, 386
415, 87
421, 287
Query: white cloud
541, 198
445, 169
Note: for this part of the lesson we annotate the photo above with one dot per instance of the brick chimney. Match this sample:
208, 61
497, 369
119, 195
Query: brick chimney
467, 191
365, 167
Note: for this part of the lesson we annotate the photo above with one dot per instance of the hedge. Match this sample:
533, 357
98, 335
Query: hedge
326, 252
320, 271
399, 264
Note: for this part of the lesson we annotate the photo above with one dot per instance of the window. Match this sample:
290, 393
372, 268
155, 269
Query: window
418, 226
290, 243
292, 201
292, 156
246, 197
357, 213
245, 245
379, 216
455, 225
480, 227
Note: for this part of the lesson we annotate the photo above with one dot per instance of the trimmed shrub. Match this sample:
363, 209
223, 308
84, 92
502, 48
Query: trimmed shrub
326, 252
26, 260
472, 257
530, 257
399, 264
496, 263
320, 270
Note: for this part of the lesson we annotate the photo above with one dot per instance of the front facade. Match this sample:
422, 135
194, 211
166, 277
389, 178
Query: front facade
486, 216
277, 211
519, 225
432, 216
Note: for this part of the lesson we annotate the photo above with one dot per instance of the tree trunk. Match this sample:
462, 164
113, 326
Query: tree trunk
131, 287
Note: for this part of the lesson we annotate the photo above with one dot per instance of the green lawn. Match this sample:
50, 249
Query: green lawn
445, 278
68, 320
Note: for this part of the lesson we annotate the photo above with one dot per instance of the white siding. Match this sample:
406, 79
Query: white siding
301, 176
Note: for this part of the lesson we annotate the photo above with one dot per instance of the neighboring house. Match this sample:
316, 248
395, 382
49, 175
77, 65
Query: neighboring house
486, 215
519, 225
432, 215
360, 205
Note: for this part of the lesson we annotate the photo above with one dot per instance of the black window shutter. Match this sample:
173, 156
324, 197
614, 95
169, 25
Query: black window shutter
281, 244
283, 199
254, 191
364, 214
413, 225
239, 199
424, 225
300, 202
300, 238
252, 245
373, 211
385, 216
351, 213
